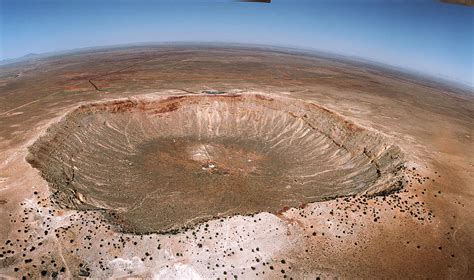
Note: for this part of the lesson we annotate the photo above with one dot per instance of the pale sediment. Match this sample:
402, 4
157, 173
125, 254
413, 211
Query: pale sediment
159, 164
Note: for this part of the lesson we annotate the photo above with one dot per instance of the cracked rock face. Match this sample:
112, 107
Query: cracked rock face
161, 164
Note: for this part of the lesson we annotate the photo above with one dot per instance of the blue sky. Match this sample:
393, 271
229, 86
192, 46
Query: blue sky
426, 36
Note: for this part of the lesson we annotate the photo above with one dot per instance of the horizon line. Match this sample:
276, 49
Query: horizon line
348, 58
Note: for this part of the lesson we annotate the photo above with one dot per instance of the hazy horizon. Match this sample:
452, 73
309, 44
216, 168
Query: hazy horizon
426, 37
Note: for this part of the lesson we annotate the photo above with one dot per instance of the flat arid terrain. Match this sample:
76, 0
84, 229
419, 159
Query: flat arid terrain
232, 162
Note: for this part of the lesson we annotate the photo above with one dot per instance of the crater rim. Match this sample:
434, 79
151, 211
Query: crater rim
343, 133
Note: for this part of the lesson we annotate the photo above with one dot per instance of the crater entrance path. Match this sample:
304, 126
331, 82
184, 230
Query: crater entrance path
158, 164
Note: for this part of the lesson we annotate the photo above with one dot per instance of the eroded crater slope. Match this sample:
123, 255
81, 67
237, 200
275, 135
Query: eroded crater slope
160, 164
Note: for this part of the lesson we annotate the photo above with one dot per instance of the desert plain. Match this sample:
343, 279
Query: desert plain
232, 162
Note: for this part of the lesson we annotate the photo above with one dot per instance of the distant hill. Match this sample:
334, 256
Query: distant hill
31, 55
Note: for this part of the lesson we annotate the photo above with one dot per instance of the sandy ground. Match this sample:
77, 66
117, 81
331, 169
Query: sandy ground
424, 231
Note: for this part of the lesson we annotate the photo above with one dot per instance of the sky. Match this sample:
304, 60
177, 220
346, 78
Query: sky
428, 37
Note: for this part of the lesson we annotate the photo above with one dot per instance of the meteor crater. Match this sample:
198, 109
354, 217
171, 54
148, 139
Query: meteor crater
159, 164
